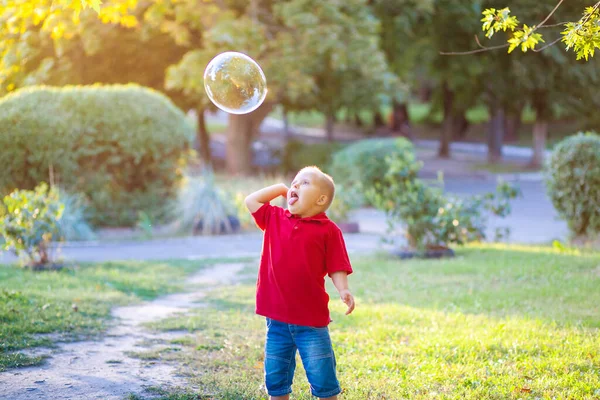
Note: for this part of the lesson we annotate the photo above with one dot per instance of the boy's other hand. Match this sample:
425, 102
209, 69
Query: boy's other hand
348, 299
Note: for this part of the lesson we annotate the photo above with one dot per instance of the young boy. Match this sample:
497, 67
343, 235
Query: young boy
300, 246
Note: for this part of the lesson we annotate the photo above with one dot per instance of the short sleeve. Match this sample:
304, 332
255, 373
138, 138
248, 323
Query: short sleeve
262, 215
336, 254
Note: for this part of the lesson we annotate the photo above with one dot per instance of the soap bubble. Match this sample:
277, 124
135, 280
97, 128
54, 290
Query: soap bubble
235, 83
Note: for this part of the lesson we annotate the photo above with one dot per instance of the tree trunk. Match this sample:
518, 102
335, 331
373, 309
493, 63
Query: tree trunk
540, 132
329, 123
512, 123
378, 119
241, 131
496, 133
400, 120
460, 125
357, 121
540, 128
203, 138
448, 124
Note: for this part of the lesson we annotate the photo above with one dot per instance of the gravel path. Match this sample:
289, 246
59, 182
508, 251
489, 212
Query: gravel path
102, 369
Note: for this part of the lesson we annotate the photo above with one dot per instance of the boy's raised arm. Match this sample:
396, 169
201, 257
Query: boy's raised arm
255, 200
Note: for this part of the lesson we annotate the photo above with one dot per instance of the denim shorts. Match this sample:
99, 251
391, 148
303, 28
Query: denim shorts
316, 352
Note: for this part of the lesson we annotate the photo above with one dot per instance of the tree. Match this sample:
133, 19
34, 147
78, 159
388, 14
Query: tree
460, 81
314, 54
336, 46
27, 25
542, 80
406, 45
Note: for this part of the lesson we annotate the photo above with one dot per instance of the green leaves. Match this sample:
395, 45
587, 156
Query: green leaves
498, 20
583, 36
31, 222
525, 38
501, 20
94, 4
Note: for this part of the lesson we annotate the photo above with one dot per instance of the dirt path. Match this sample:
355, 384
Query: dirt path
102, 369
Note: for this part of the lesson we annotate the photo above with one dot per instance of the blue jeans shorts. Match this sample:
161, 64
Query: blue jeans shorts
316, 352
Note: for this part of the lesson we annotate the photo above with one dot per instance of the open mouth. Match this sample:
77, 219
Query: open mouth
293, 198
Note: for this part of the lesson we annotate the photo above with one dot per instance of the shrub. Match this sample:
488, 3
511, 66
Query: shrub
573, 182
431, 218
31, 222
346, 199
202, 208
297, 155
120, 145
363, 164
73, 224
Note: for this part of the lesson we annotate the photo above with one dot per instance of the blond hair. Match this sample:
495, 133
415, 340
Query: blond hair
324, 181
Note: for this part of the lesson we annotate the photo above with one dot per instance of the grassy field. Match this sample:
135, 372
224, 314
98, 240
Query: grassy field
36, 308
419, 113
504, 168
495, 322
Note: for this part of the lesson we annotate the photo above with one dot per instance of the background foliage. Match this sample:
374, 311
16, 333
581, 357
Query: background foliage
120, 146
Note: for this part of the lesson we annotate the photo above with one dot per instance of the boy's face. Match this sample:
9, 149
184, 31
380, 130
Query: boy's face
305, 197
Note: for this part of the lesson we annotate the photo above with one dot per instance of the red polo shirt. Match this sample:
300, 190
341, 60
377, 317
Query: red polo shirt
297, 253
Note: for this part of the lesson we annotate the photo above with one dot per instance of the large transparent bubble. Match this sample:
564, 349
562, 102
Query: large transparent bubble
235, 83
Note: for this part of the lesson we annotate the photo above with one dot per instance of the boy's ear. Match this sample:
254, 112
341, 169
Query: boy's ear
322, 200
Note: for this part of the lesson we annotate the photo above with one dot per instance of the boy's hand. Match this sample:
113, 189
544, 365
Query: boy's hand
255, 200
348, 299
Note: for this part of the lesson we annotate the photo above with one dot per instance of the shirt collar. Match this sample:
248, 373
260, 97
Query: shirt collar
321, 217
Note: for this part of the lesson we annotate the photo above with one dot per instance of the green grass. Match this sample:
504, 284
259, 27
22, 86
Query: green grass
177, 394
503, 168
18, 360
495, 322
36, 304
419, 113
216, 127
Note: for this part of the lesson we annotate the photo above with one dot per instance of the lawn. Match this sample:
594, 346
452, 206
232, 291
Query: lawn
495, 322
504, 168
37, 308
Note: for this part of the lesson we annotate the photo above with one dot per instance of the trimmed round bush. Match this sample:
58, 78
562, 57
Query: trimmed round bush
573, 182
120, 145
363, 163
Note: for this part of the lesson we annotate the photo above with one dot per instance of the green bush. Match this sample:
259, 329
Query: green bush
297, 155
120, 145
573, 182
363, 164
346, 199
432, 219
30, 223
